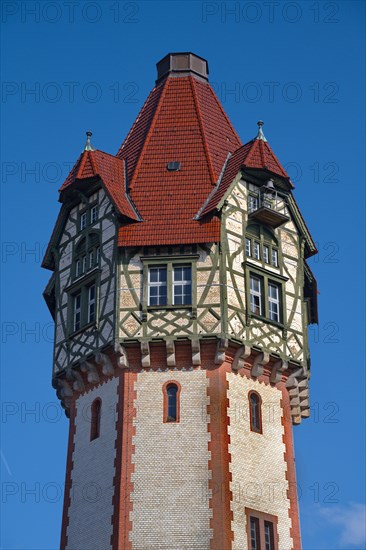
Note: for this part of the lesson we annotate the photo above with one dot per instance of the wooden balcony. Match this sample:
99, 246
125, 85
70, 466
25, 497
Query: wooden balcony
269, 212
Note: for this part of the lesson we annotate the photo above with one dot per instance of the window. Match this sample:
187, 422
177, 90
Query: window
157, 286
91, 304
261, 530
77, 311
182, 284
88, 216
257, 250
252, 203
168, 282
255, 295
274, 302
83, 292
83, 307
93, 214
171, 391
268, 535
266, 297
274, 258
83, 220
254, 534
248, 247
96, 409
261, 244
86, 255
255, 408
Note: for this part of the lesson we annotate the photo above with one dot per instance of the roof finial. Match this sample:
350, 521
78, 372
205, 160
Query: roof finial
260, 131
88, 145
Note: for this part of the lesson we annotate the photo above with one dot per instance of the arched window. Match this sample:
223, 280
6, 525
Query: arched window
255, 408
171, 392
95, 419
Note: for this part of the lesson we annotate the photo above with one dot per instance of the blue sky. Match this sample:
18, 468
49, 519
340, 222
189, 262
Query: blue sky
71, 67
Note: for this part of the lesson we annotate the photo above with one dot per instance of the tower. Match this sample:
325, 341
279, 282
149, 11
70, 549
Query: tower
181, 298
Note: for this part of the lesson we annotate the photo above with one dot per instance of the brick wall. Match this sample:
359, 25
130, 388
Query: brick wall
90, 512
258, 464
171, 476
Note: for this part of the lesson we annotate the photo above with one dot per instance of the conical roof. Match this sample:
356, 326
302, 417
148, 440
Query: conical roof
182, 121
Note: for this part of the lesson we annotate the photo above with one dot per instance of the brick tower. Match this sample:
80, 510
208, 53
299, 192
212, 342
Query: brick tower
181, 298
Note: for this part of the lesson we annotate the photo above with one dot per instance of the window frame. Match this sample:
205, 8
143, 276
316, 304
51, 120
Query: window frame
95, 418
86, 214
253, 428
158, 285
81, 266
166, 402
81, 286
256, 293
255, 198
183, 283
169, 262
267, 278
262, 519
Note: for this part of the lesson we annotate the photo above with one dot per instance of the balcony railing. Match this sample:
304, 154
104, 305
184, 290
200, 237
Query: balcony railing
268, 208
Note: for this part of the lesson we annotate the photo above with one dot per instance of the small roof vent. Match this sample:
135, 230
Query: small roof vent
173, 166
182, 64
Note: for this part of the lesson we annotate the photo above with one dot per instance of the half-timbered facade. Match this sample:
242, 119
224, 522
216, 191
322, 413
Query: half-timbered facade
181, 298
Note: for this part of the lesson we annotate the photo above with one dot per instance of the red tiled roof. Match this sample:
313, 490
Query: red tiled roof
110, 170
182, 120
254, 154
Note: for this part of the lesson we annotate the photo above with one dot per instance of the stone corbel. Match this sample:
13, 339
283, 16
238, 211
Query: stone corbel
170, 353
103, 360
277, 369
78, 384
242, 353
145, 354
65, 388
122, 359
92, 373
259, 362
220, 355
292, 386
196, 352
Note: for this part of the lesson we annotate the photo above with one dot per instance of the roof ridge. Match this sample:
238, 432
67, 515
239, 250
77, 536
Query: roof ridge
270, 152
94, 162
216, 188
150, 131
200, 122
225, 115
262, 152
251, 149
81, 167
